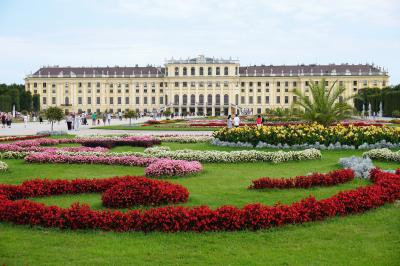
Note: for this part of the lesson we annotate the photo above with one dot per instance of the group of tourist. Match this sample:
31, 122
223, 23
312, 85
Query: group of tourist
236, 121
6, 119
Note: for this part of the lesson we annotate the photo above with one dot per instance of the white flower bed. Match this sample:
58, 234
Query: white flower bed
13, 154
317, 145
216, 156
3, 166
383, 154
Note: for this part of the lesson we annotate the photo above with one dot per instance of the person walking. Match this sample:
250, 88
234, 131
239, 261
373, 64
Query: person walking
40, 119
120, 116
69, 122
259, 121
94, 116
236, 121
104, 118
9, 120
109, 118
25, 118
3, 120
77, 122
229, 122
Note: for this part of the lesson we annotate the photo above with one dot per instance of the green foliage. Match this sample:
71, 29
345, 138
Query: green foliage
36, 102
167, 112
5, 103
130, 114
326, 105
389, 97
54, 114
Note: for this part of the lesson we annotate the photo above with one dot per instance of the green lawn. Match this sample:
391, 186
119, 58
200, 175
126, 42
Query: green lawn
372, 238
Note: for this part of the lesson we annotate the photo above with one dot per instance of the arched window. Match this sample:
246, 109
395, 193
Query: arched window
209, 71
166, 99
192, 99
184, 99
226, 99
226, 71
201, 71
176, 71
193, 71
217, 71
201, 99
209, 99
66, 100
176, 99
217, 99
185, 71
237, 99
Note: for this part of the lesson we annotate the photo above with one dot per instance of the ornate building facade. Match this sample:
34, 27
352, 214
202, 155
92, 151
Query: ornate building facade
202, 85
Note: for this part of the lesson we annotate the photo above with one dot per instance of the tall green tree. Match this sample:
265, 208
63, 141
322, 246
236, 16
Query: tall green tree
36, 102
326, 104
5, 103
26, 101
130, 114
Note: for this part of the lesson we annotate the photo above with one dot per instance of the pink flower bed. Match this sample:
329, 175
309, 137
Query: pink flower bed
169, 168
136, 141
88, 159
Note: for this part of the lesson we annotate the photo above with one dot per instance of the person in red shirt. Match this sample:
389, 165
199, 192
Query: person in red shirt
259, 121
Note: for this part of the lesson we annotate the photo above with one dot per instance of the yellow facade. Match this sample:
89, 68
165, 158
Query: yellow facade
200, 85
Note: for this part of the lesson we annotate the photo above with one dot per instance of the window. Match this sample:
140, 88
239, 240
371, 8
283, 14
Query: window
278, 90
251, 84
258, 99
294, 84
89, 84
201, 71
259, 84
217, 71
53, 85
266, 90
267, 99
44, 84
161, 84
286, 83
326, 83
126, 100
176, 99
278, 99
242, 100
250, 99
286, 99
35, 85
192, 84
144, 100
184, 84
192, 99
278, 83
111, 85
201, 99
44, 91
209, 84
267, 84
161, 100
306, 83
218, 84
209, 99
365, 83
226, 71
209, 71
294, 99
316, 82
44, 100
98, 91
258, 90
153, 100
137, 90
66, 85
185, 71
79, 100
236, 70
176, 84
98, 84
217, 99
226, 99
119, 100
111, 100
53, 100
242, 84
127, 85
145, 84
354, 89
226, 83
127, 91
137, 100
201, 84
97, 100
89, 100
176, 71
192, 71
341, 83
119, 91
153, 91
258, 110
184, 99
355, 83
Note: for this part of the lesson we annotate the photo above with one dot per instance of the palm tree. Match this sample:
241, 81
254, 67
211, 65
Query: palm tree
326, 104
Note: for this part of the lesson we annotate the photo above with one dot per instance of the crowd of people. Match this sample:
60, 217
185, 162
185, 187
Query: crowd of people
6, 120
235, 121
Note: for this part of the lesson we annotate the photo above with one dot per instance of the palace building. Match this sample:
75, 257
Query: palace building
201, 85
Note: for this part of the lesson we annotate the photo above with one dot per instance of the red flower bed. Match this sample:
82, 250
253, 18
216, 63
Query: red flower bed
3, 139
315, 179
143, 191
386, 188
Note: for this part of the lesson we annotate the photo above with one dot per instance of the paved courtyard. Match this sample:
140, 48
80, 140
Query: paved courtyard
18, 129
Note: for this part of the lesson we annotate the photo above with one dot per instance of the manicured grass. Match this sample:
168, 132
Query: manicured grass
371, 238
161, 127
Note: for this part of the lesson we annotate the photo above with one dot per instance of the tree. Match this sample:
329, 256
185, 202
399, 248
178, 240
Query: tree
5, 103
26, 101
36, 102
54, 114
167, 113
130, 114
327, 104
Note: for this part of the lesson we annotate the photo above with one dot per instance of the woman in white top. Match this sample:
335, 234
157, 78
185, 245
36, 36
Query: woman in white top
25, 120
236, 121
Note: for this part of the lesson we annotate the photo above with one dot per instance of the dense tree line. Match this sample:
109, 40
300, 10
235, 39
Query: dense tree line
388, 96
15, 94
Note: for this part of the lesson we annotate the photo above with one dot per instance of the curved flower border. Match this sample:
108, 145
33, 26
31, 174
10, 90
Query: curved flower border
385, 188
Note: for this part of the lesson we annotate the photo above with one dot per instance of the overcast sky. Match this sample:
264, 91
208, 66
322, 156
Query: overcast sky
122, 32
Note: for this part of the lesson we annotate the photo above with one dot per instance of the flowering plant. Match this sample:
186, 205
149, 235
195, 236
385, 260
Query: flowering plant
383, 154
315, 179
171, 168
143, 191
3, 166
